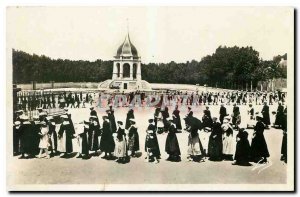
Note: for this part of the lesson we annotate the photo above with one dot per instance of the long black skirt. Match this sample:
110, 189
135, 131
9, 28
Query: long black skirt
172, 146
107, 143
284, 146
242, 152
215, 149
259, 147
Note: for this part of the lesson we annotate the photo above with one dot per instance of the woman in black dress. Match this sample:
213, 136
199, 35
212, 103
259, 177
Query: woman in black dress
82, 131
151, 143
259, 148
172, 146
176, 118
284, 138
242, 152
215, 142
112, 120
93, 134
279, 115
65, 136
130, 115
152, 147
133, 138
107, 143
156, 114
266, 115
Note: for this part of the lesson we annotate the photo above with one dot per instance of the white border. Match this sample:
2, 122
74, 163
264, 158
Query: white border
127, 3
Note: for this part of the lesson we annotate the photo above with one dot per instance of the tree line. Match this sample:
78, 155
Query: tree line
229, 67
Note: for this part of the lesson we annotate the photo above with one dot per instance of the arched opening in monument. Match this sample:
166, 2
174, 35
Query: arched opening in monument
126, 70
134, 71
118, 69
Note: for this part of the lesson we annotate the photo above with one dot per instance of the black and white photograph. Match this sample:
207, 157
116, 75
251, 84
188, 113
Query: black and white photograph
141, 98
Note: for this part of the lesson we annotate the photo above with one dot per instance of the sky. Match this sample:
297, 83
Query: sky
160, 34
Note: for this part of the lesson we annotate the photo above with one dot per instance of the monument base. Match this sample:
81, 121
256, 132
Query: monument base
125, 85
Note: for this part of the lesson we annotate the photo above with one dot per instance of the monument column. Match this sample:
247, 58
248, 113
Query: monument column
121, 71
131, 71
138, 71
115, 71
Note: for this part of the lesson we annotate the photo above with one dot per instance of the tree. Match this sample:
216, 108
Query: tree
225, 68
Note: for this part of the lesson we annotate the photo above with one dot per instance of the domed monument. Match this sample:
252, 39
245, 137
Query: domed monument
126, 74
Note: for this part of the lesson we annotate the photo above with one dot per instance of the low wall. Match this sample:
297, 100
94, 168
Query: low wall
58, 85
94, 85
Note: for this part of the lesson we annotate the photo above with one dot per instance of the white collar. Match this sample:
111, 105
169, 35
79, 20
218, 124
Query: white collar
66, 122
173, 124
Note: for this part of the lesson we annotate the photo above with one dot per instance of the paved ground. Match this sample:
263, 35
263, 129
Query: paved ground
98, 171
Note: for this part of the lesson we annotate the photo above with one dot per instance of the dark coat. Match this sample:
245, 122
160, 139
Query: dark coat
93, 113
236, 111
206, 119
215, 144
130, 115
156, 113
112, 122
93, 134
152, 143
120, 134
133, 142
223, 113
172, 146
176, 118
188, 118
266, 115
284, 145
71, 125
107, 143
165, 115
84, 145
29, 138
35, 137
151, 127
279, 116
284, 139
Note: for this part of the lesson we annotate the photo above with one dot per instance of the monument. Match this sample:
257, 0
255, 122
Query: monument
127, 75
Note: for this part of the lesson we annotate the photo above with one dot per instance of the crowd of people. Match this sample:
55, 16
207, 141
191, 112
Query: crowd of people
31, 101
118, 140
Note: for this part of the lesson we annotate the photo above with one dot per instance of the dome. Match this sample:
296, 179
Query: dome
127, 49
